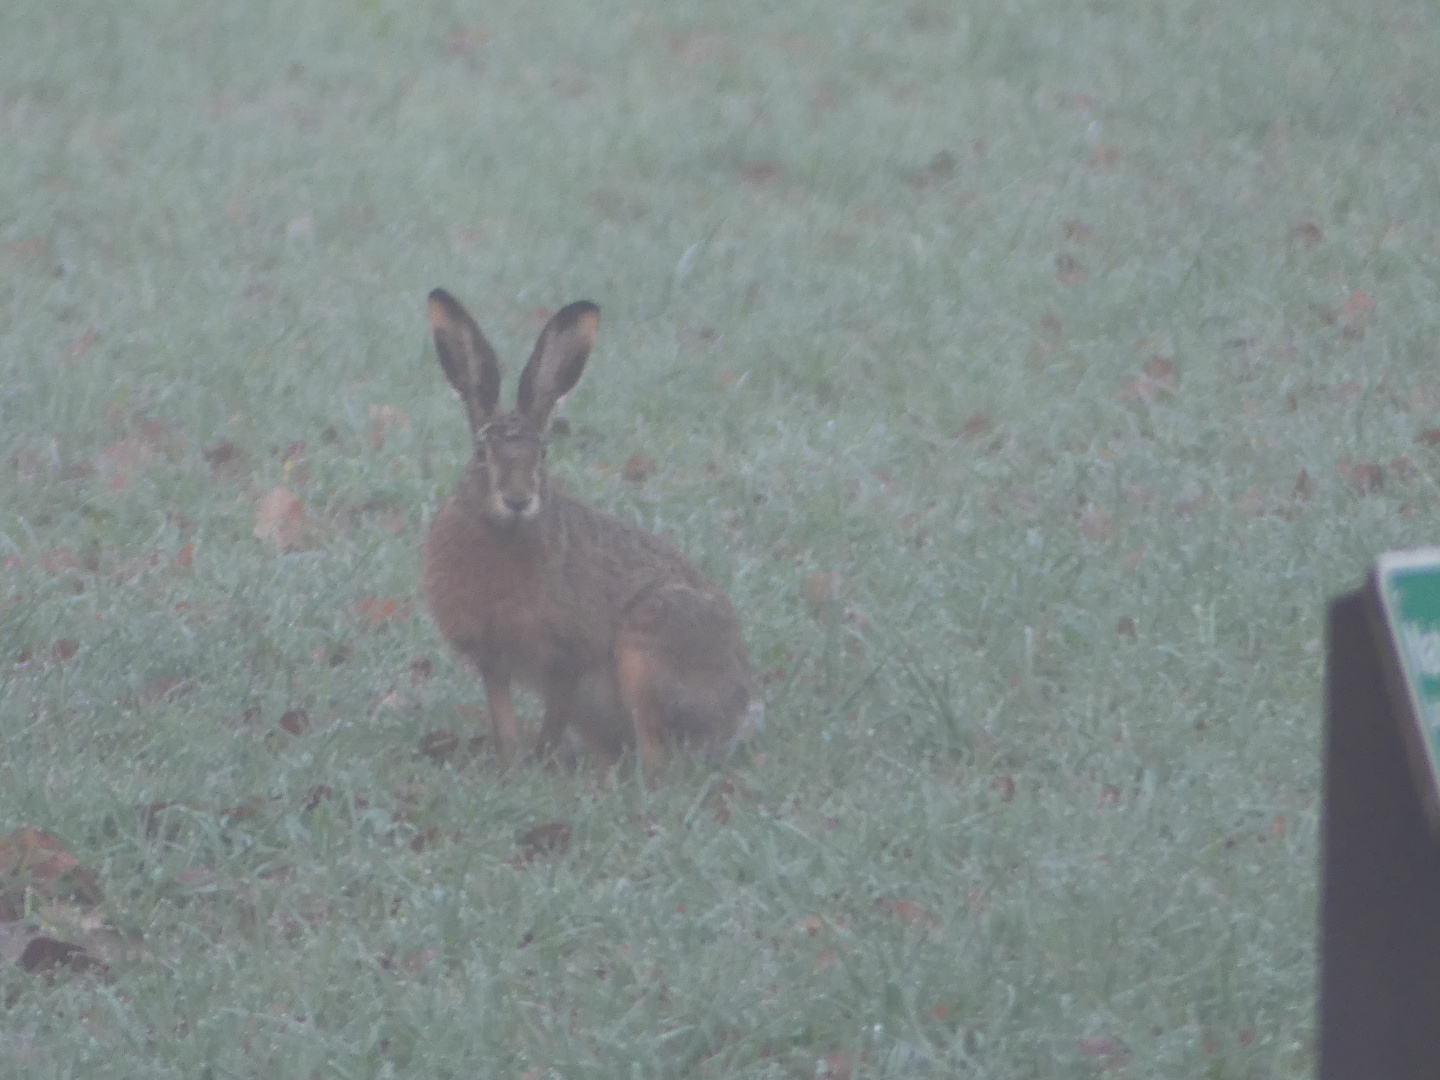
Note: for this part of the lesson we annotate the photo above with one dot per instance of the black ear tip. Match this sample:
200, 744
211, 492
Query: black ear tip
440, 296
574, 314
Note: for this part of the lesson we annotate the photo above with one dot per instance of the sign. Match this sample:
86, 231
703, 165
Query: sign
1409, 594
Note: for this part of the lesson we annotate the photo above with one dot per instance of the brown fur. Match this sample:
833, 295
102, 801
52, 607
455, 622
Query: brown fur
622, 636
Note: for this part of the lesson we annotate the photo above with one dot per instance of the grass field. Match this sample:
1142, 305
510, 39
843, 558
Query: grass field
1030, 374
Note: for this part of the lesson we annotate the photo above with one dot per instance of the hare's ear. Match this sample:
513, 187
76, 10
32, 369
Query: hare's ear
559, 358
466, 356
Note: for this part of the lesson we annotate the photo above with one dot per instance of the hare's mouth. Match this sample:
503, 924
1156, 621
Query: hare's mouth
513, 508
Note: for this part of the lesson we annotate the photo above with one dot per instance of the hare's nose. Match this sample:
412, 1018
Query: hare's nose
517, 504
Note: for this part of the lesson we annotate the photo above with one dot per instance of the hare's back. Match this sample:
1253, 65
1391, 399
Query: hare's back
623, 556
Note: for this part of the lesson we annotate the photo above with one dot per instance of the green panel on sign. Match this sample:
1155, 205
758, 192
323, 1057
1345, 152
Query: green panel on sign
1410, 597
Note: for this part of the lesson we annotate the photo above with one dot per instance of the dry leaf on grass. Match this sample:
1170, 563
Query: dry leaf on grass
911, 913
1157, 377
1105, 156
280, 519
465, 40
1251, 502
1096, 524
32, 859
1366, 477
1190, 507
1356, 313
1069, 272
639, 468
821, 589
975, 425
224, 458
1304, 487
82, 344
377, 611
383, 420
1110, 1052
552, 838
759, 174
440, 745
295, 721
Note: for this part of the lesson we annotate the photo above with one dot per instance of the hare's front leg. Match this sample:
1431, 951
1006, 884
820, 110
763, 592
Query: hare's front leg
502, 713
559, 708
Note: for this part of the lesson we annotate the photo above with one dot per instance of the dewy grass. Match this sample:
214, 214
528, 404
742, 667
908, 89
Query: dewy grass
1030, 376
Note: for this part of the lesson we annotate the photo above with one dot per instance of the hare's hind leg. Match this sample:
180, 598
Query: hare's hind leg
637, 670
502, 714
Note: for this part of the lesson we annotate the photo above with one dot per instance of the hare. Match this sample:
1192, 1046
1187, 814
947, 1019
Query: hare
619, 633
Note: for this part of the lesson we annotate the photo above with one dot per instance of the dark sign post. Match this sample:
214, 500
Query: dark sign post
1380, 894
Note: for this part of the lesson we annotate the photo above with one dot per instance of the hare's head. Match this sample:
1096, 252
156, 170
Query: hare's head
509, 459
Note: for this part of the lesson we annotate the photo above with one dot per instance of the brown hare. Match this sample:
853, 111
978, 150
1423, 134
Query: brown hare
621, 635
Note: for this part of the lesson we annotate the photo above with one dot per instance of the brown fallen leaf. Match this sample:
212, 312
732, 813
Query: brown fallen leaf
639, 468
64, 649
1366, 477
44, 954
821, 588
280, 519
295, 721
417, 960
1356, 313
162, 688
1429, 437
224, 458
1125, 627
1190, 507
82, 344
975, 425
811, 925
552, 838
1004, 786
127, 454
759, 174
465, 40
1069, 272
33, 859
1110, 1052
911, 913
376, 611
31, 245
1104, 156
939, 169
440, 745
1251, 502
1159, 370
1096, 524
1307, 233
1304, 487
250, 808
383, 420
